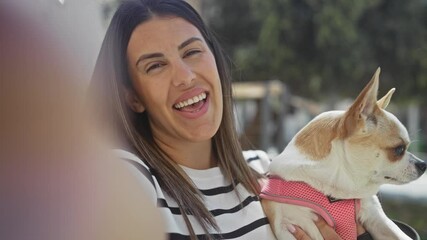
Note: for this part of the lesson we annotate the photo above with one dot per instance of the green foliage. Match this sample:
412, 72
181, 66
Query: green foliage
315, 46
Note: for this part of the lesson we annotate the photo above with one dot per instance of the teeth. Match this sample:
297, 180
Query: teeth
190, 101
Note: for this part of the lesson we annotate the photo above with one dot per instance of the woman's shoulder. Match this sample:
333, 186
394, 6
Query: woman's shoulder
134, 160
139, 169
126, 155
257, 159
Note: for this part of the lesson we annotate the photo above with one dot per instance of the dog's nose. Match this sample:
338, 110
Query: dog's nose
421, 167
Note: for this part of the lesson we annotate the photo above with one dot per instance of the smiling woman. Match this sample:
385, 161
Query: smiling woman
161, 81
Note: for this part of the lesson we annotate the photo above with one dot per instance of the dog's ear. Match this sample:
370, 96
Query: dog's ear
366, 102
384, 101
361, 113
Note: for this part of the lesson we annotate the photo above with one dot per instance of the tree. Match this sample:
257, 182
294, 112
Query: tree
329, 47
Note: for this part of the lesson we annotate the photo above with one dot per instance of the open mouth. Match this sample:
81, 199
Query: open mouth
192, 104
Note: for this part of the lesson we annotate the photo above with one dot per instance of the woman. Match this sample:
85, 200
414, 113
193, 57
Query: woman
167, 78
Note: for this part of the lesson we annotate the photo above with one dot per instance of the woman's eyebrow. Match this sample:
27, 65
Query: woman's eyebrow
188, 41
147, 56
156, 55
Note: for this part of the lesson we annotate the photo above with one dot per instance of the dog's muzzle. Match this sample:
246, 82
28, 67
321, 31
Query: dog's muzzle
419, 164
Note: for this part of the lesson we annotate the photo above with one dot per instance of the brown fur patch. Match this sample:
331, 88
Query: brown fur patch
391, 154
315, 139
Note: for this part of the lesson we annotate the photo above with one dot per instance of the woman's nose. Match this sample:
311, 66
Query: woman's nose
183, 74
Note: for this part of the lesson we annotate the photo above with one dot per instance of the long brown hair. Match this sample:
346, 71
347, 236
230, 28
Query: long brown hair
107, 89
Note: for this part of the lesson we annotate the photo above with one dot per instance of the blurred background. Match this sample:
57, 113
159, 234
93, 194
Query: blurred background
291, 60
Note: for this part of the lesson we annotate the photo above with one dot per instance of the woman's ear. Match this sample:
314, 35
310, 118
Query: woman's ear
133, 101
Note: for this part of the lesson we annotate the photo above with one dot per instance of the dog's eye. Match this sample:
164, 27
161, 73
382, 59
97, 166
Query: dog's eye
399, 150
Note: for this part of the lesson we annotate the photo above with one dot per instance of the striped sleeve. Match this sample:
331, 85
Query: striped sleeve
257, 160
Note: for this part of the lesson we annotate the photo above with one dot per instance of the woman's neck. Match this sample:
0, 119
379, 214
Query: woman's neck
195, 155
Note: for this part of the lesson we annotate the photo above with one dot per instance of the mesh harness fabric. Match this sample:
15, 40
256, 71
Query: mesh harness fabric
338, 213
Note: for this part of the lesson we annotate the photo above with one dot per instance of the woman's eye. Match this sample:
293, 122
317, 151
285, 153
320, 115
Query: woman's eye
192, 52
154, 66
399, 150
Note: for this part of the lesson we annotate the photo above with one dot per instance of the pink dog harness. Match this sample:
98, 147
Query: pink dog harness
338, 213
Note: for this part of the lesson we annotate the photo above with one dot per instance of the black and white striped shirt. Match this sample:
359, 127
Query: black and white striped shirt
236, 220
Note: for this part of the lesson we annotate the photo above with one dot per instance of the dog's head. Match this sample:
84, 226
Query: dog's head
376, 141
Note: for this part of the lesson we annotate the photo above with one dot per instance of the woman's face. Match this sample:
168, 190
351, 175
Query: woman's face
175, 79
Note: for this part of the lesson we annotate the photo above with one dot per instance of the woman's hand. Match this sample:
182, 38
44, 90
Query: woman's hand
327, 231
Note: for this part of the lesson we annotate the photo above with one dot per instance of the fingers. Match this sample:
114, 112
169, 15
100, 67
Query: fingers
298, 233
327, 231
360, 229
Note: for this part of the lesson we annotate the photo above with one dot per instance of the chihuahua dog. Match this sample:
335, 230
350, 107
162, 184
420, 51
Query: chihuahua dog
334, 167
